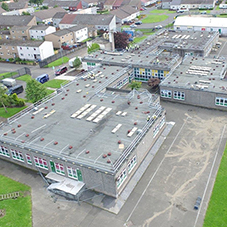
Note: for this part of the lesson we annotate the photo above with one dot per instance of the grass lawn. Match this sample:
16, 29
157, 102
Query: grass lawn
216, 212
207, 11
222, 15
49, 91
11, 112
139, 39
58, 62
154, 18
54, 83
145, 31
7, 75
161, 11
25, 78
125, 26
18, 212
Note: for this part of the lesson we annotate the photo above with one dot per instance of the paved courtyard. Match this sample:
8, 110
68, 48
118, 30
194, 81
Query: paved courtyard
184, 168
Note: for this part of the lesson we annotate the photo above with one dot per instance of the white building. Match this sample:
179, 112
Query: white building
80, 33
201, 23
35, 50
39, 31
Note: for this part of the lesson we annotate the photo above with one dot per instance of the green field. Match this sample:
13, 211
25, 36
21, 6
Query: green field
25, 78
58, 62
222, 15
7, 75
18, 212
145, 31
154, 18
216, 215
11, 112
54, 83
139, 39
162, 11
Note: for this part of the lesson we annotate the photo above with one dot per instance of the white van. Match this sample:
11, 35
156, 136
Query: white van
9, 82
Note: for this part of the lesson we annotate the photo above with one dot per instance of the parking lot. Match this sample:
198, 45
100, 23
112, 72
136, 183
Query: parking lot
183, 169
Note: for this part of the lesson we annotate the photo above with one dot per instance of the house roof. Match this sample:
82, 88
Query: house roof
61, 32
48, 13
77, 27
41, 27
124, 11
197, 1
109, 2
17, 5
91, 1
176, 2
2, 10
59, 15
11, 20
64, 4
27, 43
88, 19
117, 3
20, 28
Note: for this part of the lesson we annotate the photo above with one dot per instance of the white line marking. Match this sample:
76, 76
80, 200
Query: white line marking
211, 170
38, 128
156, 171
221, 49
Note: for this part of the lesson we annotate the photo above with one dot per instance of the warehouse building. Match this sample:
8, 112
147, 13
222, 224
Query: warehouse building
198, 81
87, 135
201, 23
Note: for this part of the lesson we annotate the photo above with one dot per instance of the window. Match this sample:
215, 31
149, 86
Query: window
23, 32
155, 130
41, 163
162, 122
121, 178
0, 47
20, 48
29, 160
166, 94
12, 31
1, 53
13, 48
4, 151
22, 54
221, 101
179, 95
59, 168
17, 155
34, 48
132, 164
72, 172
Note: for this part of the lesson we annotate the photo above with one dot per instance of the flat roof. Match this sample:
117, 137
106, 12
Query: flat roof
197, 73
79, 137
201, 21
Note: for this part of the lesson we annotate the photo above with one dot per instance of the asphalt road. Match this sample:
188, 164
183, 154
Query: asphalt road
184, 168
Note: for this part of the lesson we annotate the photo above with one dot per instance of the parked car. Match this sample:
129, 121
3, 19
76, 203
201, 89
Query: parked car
138, 22
42, 78
158, 27
16, 89
133, 26
141, 9
61, 71
9, 82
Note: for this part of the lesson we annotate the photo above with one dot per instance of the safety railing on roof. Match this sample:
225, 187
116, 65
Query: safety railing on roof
136, 140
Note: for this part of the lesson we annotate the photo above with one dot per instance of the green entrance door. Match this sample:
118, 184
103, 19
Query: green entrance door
52, 166
79, 174
219, 30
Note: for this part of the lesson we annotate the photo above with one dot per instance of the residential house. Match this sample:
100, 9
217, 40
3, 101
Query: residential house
30, 10
2, 11
8, 21
28, 50
39, 32
57, 18
68, 5
5, 34
45, 16
17, 5
90, 10
103, 21
60, 37
80, 33
20, 32
89, 3
148, 2
125, 14
35, 50
115, 4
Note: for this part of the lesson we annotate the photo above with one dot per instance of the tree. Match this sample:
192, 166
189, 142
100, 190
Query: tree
5, 6
38, 2
76, 63
153, 82
135, 85
94, 47
35, 90
25, 13
121, 39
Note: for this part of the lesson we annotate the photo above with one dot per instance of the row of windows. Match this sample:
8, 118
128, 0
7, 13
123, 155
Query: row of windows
166, 94
159, 126
221, 101
123, 175
40, 162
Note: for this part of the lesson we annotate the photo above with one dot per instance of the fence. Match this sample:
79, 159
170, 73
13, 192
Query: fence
15, 74
60, 54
